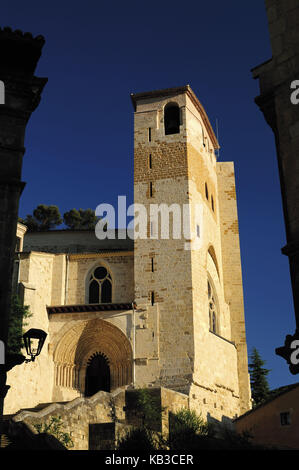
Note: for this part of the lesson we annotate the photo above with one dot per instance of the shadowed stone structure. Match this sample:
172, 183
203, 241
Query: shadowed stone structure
19, 56
275, 79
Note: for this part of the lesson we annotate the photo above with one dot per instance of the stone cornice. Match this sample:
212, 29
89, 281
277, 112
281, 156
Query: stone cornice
102, 254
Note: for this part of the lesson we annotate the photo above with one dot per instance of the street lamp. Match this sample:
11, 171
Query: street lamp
34, 340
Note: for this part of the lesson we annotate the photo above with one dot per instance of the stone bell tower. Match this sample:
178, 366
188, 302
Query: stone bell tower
19, 56
190, 328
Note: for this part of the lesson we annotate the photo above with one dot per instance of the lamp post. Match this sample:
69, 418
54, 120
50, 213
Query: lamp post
34, 340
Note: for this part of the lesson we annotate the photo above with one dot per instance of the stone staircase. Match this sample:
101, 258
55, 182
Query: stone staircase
92, 423
76, 415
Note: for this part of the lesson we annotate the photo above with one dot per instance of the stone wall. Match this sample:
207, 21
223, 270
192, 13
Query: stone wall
32, 383
98, 422
77, 415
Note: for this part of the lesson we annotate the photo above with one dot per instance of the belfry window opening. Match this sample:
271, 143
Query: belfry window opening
100, 286
172, 119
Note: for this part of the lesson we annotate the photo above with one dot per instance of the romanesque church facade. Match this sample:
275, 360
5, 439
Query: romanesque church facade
150, 311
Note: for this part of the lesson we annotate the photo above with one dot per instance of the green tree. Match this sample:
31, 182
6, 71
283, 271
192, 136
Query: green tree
185, 429
18, 313
44, 218
258, 378
82, 219
148, 406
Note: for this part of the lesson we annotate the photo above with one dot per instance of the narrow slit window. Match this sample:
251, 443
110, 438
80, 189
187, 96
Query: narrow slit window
212, 202
151, 189
150, 161
152, 263
149, 134
206, 191
152, 298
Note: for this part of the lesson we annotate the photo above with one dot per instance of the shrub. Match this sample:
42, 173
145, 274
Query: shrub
54, 428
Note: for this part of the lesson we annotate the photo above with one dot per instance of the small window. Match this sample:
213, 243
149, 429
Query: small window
206, 191
152, 261
212, 309
172, 119
152, 298
149, 134
18, 244
152, 229
151, 189
285, 419
150, 161
212, 202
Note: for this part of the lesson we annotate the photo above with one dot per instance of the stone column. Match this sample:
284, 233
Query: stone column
19, 56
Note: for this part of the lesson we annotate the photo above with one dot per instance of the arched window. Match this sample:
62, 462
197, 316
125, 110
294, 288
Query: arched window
212, 309
172, 119
100, 286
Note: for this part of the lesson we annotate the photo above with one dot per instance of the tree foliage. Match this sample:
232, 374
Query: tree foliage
44, 218
82, 219
16, 324
258, 378
148, 406
141, 439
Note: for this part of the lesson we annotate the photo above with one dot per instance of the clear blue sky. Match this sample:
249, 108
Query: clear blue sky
79, 142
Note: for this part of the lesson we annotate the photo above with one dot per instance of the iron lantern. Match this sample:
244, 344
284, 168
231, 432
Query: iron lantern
34, 340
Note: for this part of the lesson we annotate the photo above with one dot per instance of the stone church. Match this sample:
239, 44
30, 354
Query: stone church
144, 312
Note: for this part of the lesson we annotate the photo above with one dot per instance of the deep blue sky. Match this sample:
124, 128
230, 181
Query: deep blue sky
79, 142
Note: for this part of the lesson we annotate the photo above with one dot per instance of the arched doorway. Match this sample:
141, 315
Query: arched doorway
79, 343
97, 375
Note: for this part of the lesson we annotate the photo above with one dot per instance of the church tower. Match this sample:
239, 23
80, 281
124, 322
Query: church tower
189, 318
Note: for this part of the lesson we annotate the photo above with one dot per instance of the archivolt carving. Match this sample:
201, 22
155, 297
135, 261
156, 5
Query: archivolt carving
84, 339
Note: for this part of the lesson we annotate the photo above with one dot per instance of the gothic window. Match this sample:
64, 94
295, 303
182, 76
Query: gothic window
212, 309
172, 119
100, 286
